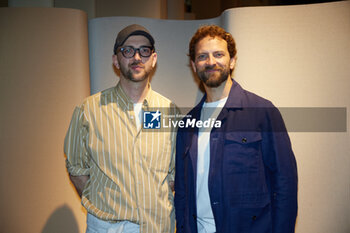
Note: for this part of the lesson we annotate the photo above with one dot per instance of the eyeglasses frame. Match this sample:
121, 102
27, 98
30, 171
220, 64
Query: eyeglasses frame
136, 50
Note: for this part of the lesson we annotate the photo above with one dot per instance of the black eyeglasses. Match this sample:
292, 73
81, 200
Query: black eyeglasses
129, 51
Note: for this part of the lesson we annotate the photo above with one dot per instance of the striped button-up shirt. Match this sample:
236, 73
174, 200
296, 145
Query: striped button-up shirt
129, 169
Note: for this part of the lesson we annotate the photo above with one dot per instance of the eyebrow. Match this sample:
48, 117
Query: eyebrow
206, 52
130, 45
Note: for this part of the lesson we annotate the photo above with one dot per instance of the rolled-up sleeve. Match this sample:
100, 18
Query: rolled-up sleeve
75, 142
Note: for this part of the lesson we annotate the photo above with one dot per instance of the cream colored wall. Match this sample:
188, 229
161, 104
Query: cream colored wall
44, 73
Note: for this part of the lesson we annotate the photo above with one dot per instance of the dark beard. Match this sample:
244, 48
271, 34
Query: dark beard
130, 76
224, 74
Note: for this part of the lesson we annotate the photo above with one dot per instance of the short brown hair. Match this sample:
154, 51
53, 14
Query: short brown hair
212, 31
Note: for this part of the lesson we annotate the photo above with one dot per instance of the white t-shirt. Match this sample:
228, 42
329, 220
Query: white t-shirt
205, 218
138, 115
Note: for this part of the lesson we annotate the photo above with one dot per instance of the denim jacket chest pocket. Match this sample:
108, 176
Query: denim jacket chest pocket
242, 152
243, 167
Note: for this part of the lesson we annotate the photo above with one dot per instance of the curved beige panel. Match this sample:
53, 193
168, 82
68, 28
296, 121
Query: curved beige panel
44, 73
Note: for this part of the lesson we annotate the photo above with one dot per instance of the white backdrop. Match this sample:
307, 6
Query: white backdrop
296, 56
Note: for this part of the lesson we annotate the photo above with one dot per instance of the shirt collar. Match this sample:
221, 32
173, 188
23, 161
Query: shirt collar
125, 101
234, 98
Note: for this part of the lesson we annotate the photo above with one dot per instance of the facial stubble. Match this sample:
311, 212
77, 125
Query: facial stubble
211, 80
128, 74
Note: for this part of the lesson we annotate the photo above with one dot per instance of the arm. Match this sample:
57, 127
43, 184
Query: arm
180, 194
77, 161
79, 183
172, 185
281, 170
175, 112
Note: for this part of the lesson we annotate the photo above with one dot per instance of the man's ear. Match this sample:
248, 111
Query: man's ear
115, 61
154, 62
233, 62
193, 64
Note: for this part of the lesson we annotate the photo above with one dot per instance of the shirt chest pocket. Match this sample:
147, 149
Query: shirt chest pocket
157, 151
242, 152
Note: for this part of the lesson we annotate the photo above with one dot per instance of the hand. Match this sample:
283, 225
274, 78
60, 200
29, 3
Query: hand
172, 185
79, 183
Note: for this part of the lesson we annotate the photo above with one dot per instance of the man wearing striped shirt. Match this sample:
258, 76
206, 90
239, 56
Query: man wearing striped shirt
124, 173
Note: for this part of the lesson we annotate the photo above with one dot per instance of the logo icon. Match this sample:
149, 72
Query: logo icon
151, 120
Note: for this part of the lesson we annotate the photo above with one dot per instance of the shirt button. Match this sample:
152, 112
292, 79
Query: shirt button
254, 218
244, 140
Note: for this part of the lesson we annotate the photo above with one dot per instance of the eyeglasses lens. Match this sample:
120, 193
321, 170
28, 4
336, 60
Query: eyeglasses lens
129, 51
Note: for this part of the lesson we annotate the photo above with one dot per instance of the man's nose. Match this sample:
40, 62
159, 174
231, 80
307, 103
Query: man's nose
211, 60
137, 55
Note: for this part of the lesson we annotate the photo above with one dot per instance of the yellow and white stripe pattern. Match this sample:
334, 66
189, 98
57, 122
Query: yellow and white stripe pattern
129, 169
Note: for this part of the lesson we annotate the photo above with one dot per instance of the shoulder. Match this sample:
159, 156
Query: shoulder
97, 96
259, 106
161, 101
251, 99
160, 97
93, 101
